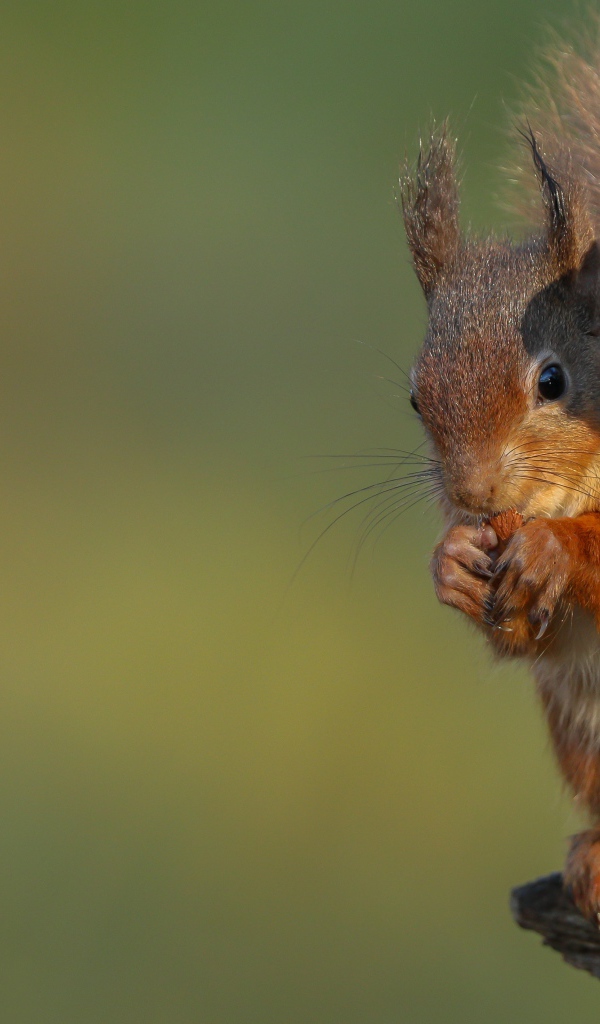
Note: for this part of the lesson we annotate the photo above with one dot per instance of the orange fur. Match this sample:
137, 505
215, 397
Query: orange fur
582, 873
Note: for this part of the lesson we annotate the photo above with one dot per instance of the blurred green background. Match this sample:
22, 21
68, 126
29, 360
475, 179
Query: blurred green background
223, 801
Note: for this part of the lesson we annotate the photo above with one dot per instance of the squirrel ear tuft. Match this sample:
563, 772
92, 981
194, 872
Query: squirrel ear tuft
429, 200
569, 227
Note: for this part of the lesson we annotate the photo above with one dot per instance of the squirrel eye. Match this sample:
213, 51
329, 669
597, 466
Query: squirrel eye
415, 403
552, 383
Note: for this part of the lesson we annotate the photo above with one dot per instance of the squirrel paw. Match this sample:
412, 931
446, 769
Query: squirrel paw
462, 569
529, 580
581, 876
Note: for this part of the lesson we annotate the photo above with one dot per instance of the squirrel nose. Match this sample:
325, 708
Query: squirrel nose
478, 495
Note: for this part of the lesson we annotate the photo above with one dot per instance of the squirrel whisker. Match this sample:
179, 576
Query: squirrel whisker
391, 513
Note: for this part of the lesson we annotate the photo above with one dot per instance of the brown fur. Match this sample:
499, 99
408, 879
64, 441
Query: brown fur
430, 205
499, 312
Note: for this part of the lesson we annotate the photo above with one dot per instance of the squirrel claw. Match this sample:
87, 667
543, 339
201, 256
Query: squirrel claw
482, 570
488, 612
494, 624
500, 610
541, 620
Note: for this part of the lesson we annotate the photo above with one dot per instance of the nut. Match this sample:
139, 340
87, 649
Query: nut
506, 523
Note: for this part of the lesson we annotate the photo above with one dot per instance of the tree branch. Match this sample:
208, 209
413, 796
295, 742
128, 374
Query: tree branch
543, 906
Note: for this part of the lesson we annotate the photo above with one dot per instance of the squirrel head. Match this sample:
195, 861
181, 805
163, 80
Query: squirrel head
508, 379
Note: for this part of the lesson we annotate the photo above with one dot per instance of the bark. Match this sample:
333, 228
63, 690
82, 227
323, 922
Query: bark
543, 906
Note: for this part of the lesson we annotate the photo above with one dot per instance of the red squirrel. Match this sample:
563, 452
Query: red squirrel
507, 385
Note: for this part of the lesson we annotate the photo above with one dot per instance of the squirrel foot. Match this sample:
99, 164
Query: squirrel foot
462, 569
582, 873
529, 580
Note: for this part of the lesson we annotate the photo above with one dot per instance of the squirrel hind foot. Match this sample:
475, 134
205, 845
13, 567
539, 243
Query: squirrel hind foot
582, 873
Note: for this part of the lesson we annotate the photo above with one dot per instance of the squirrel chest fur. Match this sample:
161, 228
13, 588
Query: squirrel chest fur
507, 385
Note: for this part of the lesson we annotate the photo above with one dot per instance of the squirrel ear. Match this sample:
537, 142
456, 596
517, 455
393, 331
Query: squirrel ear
587, 286
569, 226
429, 199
